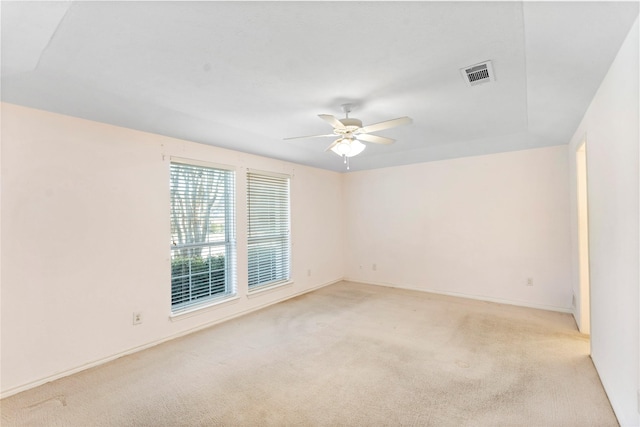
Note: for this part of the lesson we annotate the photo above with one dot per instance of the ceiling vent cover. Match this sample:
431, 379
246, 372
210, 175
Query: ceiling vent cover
478, 73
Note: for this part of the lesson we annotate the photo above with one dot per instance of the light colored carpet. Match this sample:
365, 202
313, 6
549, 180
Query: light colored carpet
345, 355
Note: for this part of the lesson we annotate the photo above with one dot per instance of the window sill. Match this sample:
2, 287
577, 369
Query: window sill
195, 310
267, 289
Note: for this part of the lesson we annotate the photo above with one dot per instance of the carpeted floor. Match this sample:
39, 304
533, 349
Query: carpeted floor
345, 355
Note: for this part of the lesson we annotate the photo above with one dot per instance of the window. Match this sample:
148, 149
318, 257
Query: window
202, 234
268, 223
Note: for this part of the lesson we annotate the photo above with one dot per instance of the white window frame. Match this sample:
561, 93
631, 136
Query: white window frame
276, 270
229, 243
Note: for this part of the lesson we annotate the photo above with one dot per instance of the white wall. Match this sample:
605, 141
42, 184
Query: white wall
85, 238
610, 126
475, 227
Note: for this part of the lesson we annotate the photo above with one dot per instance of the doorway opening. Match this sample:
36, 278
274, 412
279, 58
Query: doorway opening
583, 303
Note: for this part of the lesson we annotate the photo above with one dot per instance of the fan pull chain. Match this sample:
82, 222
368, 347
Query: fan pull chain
347, 161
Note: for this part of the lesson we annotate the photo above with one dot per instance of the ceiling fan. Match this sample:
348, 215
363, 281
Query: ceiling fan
351, 133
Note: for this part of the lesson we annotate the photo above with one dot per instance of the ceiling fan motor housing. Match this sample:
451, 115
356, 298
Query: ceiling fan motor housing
351, 124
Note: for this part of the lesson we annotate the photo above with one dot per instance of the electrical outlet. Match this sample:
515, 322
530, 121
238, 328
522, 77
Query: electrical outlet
374, 267
137, 318
530, 281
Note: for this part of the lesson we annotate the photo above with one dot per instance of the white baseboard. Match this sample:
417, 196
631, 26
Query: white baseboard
468, 296
107, 359
104, 360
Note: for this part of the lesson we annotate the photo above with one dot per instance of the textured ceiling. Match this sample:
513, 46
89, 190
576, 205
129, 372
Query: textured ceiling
245, 75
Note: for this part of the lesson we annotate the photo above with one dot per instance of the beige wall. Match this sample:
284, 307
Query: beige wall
475, 226
610, 128
85, 239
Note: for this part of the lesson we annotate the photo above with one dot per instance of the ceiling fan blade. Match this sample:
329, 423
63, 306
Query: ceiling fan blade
385, 125
337, 124
309, 136
375, 139
333, 144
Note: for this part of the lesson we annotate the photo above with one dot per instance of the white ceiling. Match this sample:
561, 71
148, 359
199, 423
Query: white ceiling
245, 75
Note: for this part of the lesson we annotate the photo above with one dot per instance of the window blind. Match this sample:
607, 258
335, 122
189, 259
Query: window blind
202, 234
268, 229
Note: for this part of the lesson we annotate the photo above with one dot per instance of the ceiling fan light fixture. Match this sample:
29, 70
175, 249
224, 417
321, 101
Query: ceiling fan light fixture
357, 147
351, 133
348, 147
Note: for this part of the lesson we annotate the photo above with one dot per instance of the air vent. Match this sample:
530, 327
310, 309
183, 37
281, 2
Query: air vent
478, 73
